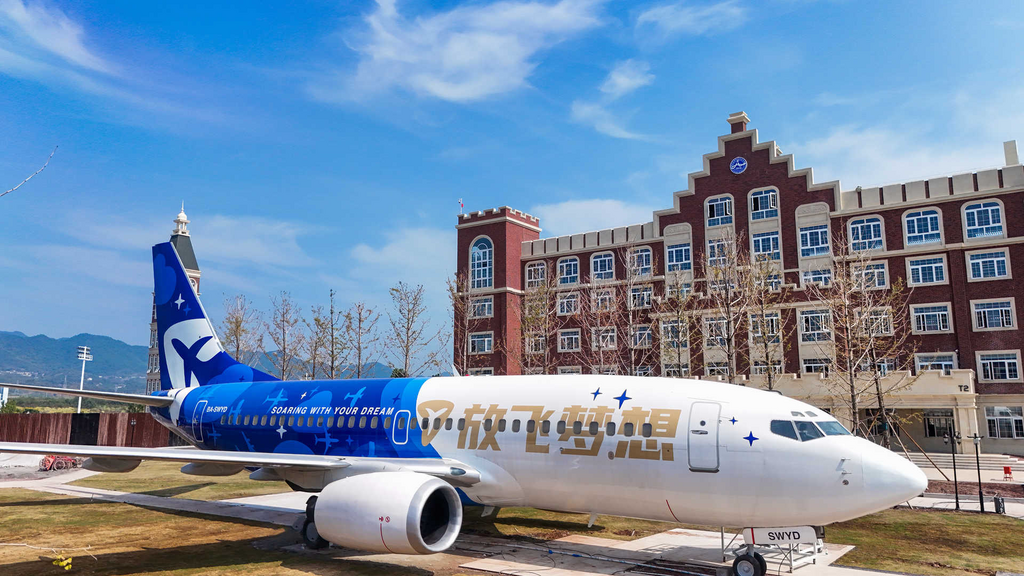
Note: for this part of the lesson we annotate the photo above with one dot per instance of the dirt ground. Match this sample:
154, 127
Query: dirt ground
971, 488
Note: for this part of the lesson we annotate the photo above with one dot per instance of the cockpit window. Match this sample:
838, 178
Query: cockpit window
784, 428
832, 428
800, 414
812, 414
807, 430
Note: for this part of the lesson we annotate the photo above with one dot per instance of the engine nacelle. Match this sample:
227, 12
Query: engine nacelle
397, 512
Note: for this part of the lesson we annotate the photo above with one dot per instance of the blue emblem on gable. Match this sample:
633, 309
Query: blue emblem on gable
738, 165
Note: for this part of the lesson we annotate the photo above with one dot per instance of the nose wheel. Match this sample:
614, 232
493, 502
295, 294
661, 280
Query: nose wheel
749, 564
310, 536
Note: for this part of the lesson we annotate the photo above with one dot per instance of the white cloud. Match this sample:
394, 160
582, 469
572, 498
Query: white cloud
626, 77
575, 216
465, 54
661, 23
40, 29
598, 117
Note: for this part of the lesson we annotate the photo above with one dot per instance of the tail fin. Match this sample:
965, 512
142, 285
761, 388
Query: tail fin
190, 353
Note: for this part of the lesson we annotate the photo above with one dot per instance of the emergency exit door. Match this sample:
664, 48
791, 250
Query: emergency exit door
702, 436
197, 420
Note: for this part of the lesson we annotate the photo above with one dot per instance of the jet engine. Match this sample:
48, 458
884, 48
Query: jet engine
397, 512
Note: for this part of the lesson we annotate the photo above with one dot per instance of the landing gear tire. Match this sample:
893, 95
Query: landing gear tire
311, 537
761, 561
747, 565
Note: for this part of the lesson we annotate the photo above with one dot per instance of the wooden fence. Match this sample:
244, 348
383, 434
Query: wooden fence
107, 429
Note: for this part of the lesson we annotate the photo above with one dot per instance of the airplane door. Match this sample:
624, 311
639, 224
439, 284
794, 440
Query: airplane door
702, 438
399, 433
197, 420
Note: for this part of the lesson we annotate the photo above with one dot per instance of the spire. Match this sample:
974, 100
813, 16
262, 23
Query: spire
180, 222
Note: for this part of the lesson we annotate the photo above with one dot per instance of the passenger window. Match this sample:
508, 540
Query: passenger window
448, 424
362, 422
594, 427
263, 420
648, 430
273, 420
351, 421
401, 423
488, 424
319, 421
437, 423
545, 427
222, 419
831, 428
301, 420
515, 425
246, 421
531, 426
387, 423
577, 427
462, 424
610, 429
291, 421
560, 428
373, 423
784, 428
807, 430
627, 429
426, 424
330, 421
501, 425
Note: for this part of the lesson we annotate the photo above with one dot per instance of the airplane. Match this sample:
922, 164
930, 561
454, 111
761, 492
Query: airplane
418, 449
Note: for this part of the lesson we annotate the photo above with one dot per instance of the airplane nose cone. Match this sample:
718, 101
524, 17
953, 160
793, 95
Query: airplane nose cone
890, 479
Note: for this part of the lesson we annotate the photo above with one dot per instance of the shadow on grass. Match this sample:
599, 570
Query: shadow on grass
177, 490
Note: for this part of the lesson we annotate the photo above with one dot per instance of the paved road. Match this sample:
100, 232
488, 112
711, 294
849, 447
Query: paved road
948, 502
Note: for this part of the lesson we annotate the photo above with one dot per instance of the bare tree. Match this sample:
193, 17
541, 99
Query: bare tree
362, 337
871, 346
462, 318
285, 333
600, 319
317, 341
242, 329
409, 342
769, 331
334, 341
726, 274
676, 311
637, 300
538, 323
32, 175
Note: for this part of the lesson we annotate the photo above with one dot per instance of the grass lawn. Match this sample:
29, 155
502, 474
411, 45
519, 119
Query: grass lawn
164, 479
543, 525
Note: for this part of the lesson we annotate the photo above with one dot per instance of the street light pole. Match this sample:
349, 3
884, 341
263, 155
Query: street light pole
84, 356
977, 461
952, 439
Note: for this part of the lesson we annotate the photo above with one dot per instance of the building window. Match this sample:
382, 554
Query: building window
569, 340
569, 270
930, 318
535, 274
993, 315
988, 265
570, 370
866, 234
605, 338
938, 423
814, 241
602, 267
481, 343
927, 271
871, 276
680, 291
719, 211
764, 204
760, 367
765, 329
640, 262
606, 370
1005, 421
482, 307
717, 369
678, 257
568, 303
944, 362
877, 323
675, 370
983, 219
536, 343
766, 246
715, 331
816, 365
772, 282
923, 227
640, 297
999, 366
640, 337
822, 277
481, 264
718, 253
481, 372
603, 300
884, 366
671, 335
815, 325
643, 371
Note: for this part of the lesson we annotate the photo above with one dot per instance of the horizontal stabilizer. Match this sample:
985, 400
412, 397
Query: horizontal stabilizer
144, 399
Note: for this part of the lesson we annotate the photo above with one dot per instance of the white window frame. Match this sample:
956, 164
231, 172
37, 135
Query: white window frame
563, 299
536, 343
716, 368
760, 368
641, 297
867, 223
1006, 313
975, 208
942, 265
606, 274
487, 336
822, 277
644, 370
767, 208
773, 321
774, 240
602, 295
565, 335
486, 301
609, 370
824, 363
564, 264
635, 340
716, 331
914, 317
933, 358
714, 246
674, 370
486, 371
674, 264
1016, 422
532, 279
671, 289
970, 268
917, 217
982, 370
641, 262
815, 232
726, 216
604, 338
876, 317
870, 269
570, 370
824, 334
484, 281
671, 335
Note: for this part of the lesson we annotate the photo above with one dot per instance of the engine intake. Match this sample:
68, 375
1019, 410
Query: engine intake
397, 512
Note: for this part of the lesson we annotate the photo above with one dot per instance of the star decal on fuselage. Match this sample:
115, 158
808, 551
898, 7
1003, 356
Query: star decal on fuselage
750, 438
596, 393
281, 431
733, 420
622, 398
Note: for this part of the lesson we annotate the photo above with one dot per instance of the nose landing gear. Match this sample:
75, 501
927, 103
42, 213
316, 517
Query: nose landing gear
749, 563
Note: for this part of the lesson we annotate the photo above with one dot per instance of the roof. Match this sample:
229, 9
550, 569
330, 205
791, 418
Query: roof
183, 244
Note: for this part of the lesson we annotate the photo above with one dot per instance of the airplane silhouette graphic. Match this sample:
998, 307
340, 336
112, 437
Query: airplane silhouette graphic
277, 399
327, 439
355, 397
188, 356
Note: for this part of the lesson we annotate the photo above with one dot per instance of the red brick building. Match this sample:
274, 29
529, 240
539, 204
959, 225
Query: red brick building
955, 240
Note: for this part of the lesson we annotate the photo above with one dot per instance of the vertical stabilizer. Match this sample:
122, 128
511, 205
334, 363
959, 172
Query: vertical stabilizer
190, 353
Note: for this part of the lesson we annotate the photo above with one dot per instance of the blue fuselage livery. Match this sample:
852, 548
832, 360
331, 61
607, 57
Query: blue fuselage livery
329, 417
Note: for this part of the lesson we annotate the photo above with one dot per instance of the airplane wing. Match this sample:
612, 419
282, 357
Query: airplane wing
445, 468
144, 399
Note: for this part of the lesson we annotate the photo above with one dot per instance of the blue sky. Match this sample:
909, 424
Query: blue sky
322, 145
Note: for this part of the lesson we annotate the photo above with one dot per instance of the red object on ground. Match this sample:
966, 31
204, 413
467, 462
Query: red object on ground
1007, 473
